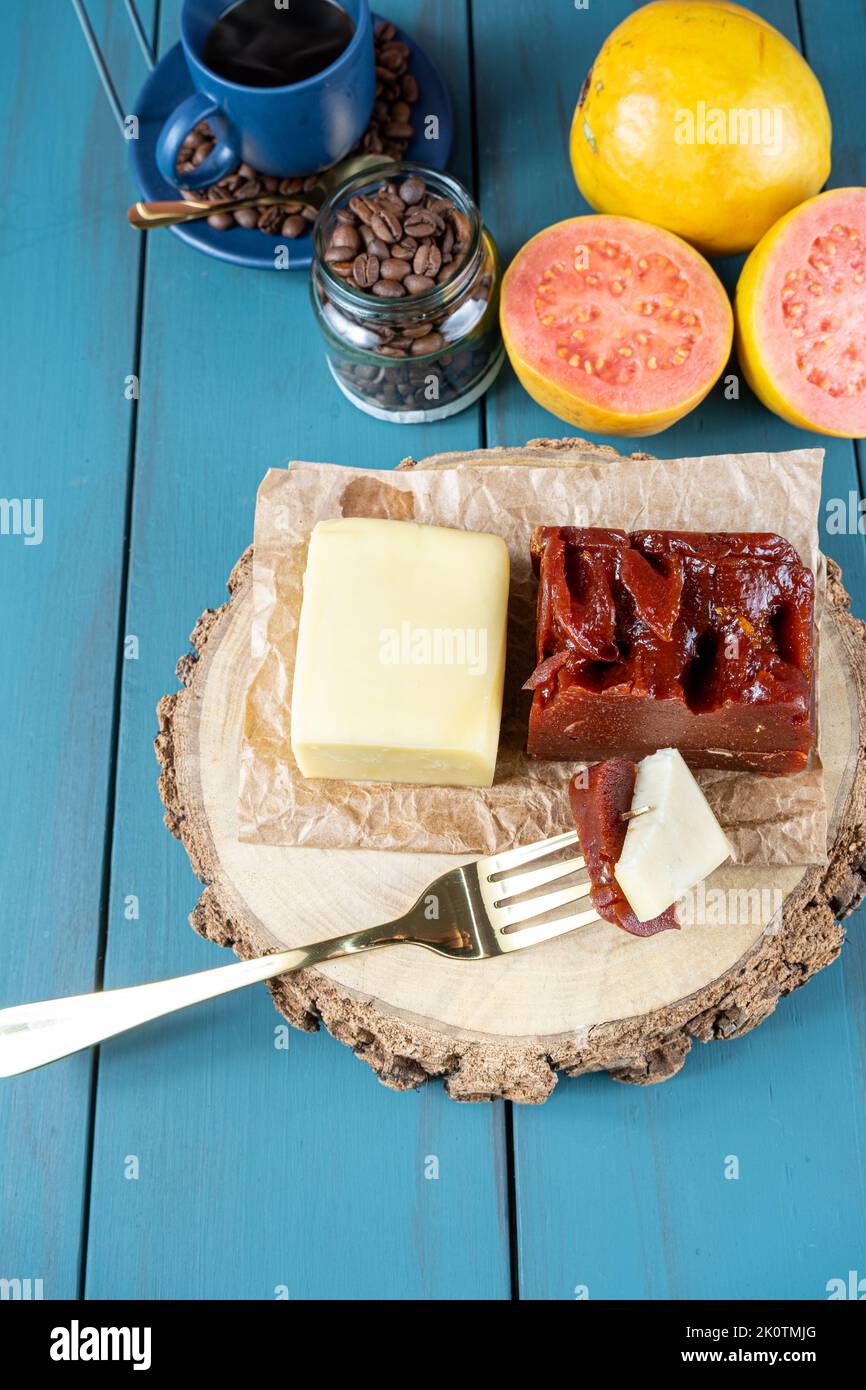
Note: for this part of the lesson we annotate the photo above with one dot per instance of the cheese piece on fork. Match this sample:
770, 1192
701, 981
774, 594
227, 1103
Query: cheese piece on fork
401, 654
674, 844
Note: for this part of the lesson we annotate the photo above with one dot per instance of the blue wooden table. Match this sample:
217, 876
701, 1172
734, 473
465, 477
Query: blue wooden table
196, 1158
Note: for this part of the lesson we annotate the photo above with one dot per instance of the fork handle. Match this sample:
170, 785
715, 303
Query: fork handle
33, 1034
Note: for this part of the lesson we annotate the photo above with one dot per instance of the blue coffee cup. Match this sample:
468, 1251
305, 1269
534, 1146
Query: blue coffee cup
296, 129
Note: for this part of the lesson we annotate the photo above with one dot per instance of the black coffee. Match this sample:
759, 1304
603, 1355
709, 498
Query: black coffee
260, 44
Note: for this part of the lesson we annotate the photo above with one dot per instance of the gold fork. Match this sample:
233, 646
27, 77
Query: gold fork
474, 912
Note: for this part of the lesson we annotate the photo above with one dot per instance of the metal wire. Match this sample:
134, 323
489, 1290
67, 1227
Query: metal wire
138, 30
99, 60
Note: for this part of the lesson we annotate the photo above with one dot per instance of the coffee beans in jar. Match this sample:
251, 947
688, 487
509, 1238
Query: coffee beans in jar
405, 285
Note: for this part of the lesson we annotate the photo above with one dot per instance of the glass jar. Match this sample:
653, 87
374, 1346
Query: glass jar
424, 355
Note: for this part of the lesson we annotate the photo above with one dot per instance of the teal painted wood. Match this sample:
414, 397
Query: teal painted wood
68, 286
259, 1169
841, 68
620, 1189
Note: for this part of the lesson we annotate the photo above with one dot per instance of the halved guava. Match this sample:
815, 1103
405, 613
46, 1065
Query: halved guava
612, 324
801, 315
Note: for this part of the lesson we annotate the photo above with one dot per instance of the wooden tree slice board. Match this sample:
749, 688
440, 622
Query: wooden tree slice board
595, 1000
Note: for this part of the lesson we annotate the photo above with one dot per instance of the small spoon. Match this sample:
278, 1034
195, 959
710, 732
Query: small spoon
144, 216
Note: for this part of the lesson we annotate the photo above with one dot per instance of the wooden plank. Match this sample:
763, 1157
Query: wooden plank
841, 68
621, 1189
259, 1169
68, 284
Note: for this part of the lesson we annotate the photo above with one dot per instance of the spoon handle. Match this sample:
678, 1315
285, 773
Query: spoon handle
145, 216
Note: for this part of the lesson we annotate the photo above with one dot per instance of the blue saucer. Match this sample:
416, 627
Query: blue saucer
169, 84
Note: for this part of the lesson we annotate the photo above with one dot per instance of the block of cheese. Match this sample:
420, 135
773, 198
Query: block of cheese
669, 848
401, 654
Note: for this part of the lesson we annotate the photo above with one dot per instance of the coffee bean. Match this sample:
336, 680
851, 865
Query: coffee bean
418, 284
377, 247
386, 224
384, 31
404, 250
393, 204
346, 236
366, 270
399, 130
363, 209
393, 57
417, 330
271, 220
409, 88
428, 260
389, 289
421, 223
221, 221
393, 269
412, 190
294, 226
247, 217
432, 343
249, 188
462, 229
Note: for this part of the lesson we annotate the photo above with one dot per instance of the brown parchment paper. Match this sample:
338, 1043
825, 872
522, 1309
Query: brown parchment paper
768, 820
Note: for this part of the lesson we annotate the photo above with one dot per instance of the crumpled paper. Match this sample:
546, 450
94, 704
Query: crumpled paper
768, 820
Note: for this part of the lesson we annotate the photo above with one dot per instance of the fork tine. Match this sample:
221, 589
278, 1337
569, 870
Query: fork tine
536, 878
512, 858
545, 931
534, 907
